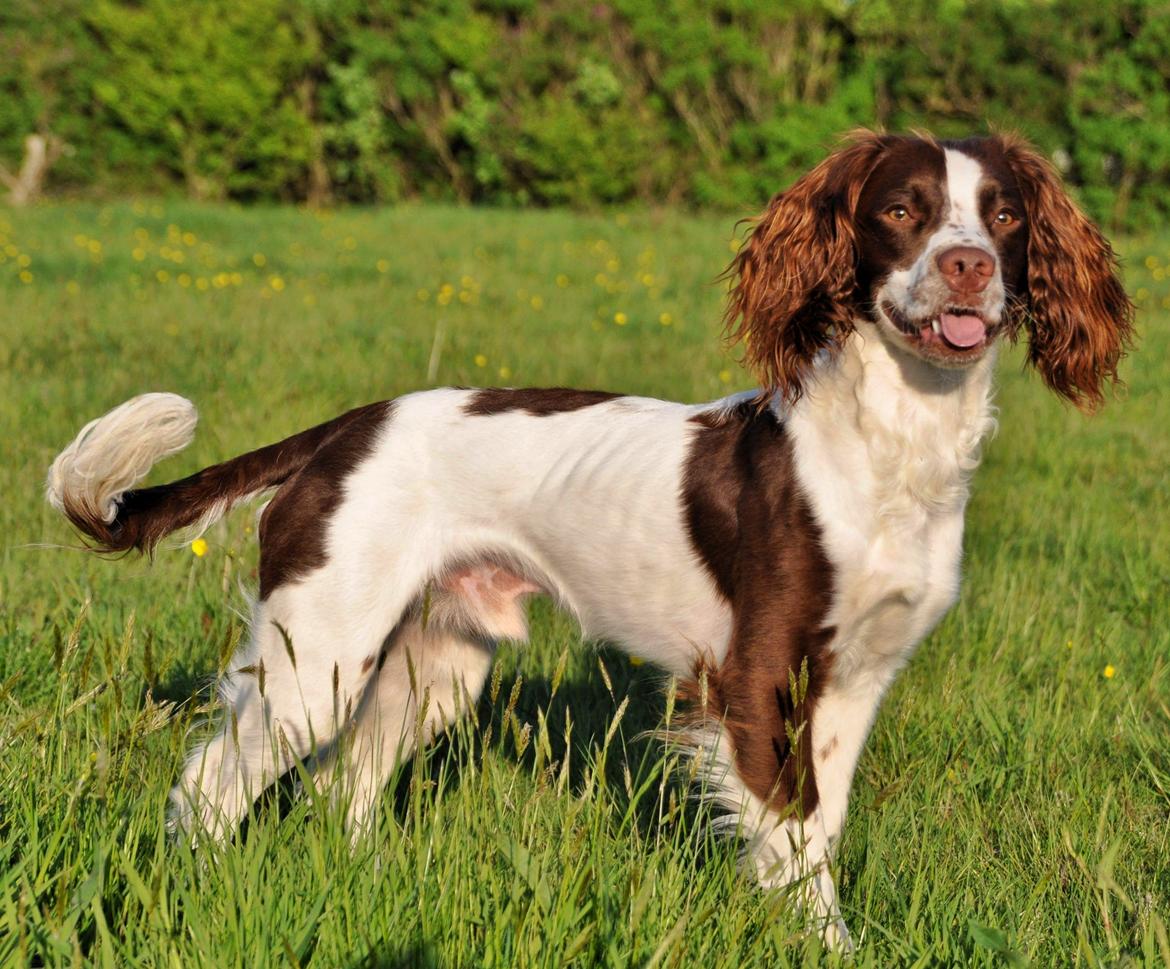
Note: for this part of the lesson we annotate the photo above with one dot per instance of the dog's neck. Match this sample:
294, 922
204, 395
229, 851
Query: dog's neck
905, 430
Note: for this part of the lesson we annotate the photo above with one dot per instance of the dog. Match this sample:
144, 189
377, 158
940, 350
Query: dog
781, 552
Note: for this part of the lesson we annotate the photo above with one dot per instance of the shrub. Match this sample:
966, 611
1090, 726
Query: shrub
578, 102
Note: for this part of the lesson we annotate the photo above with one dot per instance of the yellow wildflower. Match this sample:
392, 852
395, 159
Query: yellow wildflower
480, 360
621, 319
199, 547
1109, 672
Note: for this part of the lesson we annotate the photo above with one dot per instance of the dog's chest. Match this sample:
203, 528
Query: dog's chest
892, 590
893, 533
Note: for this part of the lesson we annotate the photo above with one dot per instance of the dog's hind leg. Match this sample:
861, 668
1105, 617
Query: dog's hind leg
287, 695
426, 676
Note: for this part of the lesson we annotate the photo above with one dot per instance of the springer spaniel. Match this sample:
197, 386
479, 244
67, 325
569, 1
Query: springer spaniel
782, 552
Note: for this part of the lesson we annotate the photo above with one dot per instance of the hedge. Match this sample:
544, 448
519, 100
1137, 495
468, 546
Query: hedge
576, 102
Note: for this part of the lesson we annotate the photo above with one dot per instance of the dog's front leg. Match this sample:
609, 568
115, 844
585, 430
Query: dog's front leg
762, 765
789, 852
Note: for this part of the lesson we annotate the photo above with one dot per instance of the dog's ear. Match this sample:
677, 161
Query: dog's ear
1078, 316
793, 283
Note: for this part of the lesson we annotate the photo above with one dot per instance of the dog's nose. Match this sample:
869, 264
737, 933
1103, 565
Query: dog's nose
966, 268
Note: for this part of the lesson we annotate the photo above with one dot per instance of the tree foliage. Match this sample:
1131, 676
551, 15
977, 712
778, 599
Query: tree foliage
573, 101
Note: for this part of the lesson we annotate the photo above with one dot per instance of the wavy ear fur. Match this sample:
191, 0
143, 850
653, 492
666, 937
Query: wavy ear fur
1079, 318
793, 282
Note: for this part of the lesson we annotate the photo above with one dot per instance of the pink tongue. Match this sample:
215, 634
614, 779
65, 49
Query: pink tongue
962, 331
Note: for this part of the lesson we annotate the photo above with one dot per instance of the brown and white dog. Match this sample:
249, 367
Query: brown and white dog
783, 551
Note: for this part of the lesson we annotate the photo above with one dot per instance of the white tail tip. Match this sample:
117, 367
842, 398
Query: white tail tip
115, 452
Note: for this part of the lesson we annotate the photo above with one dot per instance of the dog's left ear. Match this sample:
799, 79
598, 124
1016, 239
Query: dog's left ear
1079, 318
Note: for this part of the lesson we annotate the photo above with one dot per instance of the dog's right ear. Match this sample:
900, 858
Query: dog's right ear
793, 282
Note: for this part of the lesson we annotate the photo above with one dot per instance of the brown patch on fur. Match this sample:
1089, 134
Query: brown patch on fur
147, 515
754, 530
292, 528
1076, 310
368, 663
794, 281
537, 401
826, 750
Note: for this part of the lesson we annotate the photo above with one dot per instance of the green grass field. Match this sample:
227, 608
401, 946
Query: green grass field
1013, 804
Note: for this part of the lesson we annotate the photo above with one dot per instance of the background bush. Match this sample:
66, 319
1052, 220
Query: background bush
574, 102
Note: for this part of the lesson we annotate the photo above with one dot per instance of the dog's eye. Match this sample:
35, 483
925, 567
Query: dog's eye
899, 213
1005, 217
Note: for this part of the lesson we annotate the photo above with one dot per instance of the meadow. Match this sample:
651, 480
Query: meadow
1012, 805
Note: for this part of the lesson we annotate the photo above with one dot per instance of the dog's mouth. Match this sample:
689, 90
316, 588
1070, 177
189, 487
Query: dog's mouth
956, 334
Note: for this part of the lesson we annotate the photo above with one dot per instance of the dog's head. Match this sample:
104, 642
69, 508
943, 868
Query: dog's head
942, 246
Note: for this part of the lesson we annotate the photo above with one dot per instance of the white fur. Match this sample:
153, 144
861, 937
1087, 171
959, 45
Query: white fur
114, 452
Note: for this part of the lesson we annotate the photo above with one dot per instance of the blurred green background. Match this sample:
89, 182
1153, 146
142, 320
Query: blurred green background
578, 102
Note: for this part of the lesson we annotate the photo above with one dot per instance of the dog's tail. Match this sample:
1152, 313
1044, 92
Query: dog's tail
92, 481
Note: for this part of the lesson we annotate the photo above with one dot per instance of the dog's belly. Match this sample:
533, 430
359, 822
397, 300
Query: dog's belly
669, 616
587, 504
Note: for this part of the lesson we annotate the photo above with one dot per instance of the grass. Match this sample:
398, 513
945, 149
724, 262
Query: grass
1011, 806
